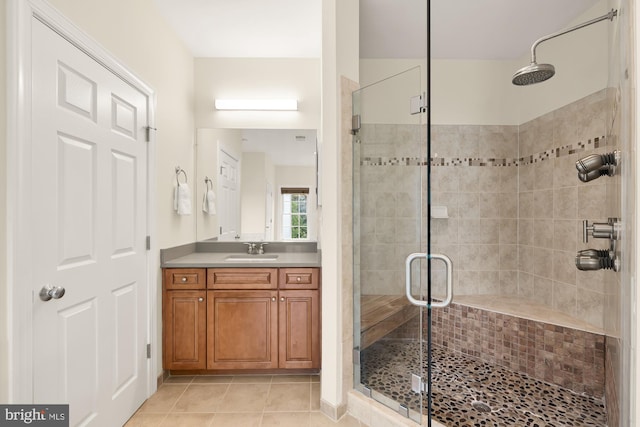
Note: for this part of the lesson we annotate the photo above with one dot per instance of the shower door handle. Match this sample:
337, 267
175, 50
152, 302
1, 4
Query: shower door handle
449, 266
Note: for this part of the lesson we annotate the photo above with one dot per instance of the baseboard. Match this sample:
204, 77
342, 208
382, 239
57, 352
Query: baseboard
369, 412
163, 376
331, 411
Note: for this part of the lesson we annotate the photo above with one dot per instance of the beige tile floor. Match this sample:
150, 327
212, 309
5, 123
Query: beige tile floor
237, 401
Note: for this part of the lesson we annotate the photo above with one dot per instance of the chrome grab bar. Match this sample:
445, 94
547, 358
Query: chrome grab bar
448, 264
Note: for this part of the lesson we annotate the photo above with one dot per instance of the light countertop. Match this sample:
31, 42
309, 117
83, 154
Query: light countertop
215, 255
218, 260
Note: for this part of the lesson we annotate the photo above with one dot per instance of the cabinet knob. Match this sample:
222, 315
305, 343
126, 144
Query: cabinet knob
282, 299
184, 279
273, 298
200, 299
298, 278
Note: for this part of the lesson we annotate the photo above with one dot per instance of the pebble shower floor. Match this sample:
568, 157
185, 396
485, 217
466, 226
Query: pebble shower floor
469, 393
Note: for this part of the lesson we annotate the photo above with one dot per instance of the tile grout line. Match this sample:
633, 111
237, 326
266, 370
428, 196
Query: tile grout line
176, 401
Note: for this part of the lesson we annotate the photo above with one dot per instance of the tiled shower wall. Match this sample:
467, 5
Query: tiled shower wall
552, 204
514, 201
389, 206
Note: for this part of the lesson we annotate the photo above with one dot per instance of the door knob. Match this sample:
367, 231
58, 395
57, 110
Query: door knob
48, 292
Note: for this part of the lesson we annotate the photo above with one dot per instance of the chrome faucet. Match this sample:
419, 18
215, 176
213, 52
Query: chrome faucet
255, 248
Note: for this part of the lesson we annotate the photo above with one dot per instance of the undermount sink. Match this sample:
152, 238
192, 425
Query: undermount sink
251, 258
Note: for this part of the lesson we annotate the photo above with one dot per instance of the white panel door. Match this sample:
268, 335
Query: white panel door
88, 212
229, 212
268, 221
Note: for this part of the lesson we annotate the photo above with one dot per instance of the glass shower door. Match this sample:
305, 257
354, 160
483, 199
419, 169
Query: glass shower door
390, 176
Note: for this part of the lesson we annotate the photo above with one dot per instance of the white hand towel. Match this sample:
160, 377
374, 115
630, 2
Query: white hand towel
209, 202
182, 199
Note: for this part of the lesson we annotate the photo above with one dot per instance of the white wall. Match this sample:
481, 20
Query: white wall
477, 92
296, 176
339, 57
257, 170
581, 61
4, 321
260, 78
463, 91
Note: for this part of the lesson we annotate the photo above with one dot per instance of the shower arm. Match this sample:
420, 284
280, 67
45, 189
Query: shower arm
609, 16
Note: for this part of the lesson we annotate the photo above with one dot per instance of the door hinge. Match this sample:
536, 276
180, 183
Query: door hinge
149, 129
148, 351
148, 243
403, 410
418, 385
418, 104
355, 124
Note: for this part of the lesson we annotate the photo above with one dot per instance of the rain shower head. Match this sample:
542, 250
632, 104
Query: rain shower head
533, 73
536, 73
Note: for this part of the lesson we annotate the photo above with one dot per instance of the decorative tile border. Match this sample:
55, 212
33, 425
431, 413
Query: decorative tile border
552, 153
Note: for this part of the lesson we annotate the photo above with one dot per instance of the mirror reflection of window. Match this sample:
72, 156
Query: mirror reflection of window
294, 213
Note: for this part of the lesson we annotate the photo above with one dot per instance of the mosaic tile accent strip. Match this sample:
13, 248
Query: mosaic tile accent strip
570, 358
470, 393
553, 153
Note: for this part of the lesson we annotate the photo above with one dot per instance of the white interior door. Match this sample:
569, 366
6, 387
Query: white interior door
88, 212
268, 226
229, 209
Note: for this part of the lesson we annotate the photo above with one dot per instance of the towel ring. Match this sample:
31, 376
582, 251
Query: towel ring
178, 171
208, 181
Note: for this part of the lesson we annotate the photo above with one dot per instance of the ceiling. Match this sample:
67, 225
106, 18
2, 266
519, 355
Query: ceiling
289, 147
461, 29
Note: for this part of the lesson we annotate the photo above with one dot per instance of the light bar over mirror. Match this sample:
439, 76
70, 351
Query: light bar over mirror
257, 104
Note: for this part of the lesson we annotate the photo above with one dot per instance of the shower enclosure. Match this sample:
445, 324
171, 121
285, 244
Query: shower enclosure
491, 183
392, 263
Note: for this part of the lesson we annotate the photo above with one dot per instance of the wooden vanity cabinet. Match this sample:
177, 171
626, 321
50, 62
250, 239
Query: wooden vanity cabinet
252, 318
184, 313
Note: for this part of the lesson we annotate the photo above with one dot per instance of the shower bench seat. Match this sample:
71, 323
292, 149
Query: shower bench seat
381, 314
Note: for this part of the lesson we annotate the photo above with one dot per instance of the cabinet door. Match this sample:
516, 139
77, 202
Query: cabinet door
299, 331
184, 328
242, 330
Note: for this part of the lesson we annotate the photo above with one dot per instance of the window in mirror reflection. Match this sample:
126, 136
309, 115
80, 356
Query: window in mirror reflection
294, 213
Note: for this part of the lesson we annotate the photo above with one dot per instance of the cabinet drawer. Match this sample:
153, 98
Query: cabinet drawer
299, 278
184, 278
242, 278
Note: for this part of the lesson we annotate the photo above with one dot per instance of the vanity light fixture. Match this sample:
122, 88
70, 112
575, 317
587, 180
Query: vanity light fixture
257, 104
